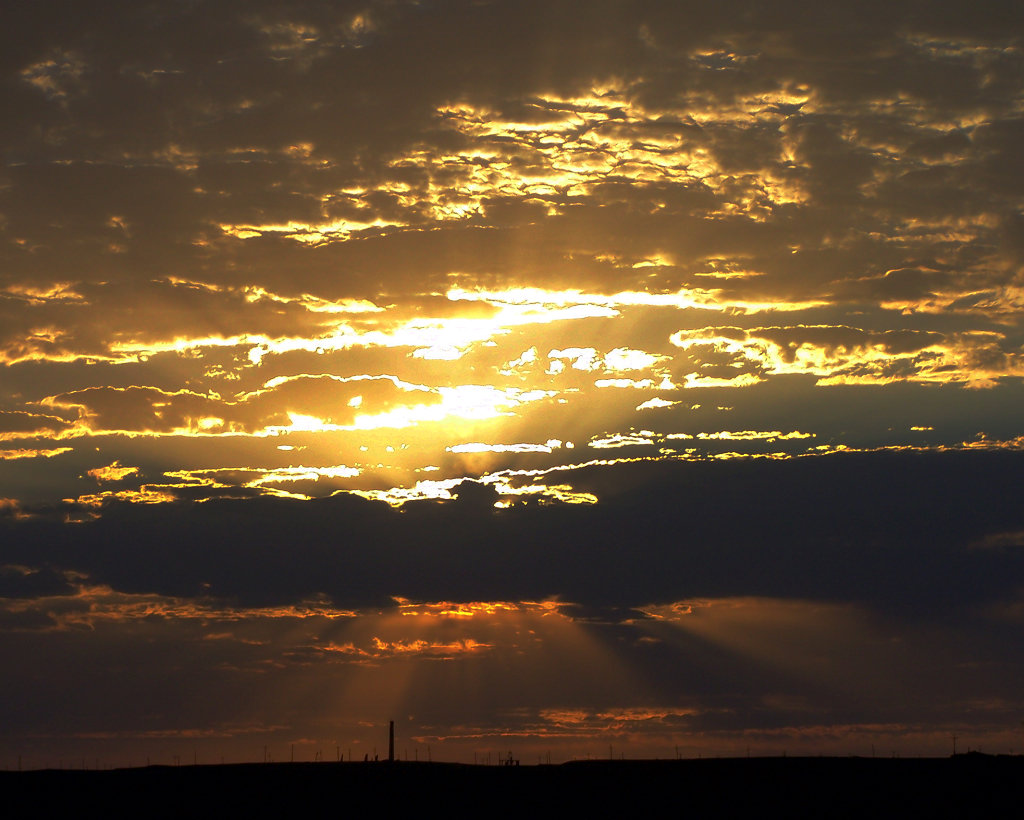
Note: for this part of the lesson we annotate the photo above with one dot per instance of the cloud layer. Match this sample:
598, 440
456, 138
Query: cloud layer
675, 317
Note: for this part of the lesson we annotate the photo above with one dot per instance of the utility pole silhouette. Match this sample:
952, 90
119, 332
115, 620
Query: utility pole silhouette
391, 741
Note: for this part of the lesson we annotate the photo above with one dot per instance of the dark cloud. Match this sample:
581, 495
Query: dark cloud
22, 424
332, 400
884, 530
23, 582
219, 155
789, 339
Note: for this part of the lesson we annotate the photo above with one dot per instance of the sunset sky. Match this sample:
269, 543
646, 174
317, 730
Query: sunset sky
641, 377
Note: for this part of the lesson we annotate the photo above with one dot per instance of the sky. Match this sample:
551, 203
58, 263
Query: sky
558, 378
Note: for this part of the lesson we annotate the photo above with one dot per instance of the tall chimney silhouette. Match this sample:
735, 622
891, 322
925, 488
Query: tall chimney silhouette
391, 741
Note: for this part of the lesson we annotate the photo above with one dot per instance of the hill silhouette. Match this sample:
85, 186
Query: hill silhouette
823, 787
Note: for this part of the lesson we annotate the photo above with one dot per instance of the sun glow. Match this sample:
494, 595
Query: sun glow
468, 401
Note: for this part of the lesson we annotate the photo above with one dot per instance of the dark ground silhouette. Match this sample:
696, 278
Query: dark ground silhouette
967, 785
